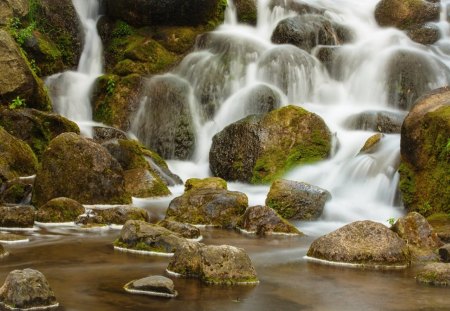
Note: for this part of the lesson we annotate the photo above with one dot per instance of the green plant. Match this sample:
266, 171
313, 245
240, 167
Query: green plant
391, 221
18, 32
17, 103
122, 29
110, 86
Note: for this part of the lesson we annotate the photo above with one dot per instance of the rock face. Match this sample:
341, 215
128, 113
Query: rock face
364, 243
378, 121
17, 78
309, 30
142, 236
155, 285
297, 200
436, 274
425, 155
36, 128
12, 8
27, 289
16, 216
173, 12
59, 210
264, 220
260, 148
214, 264
185, 230
79, 169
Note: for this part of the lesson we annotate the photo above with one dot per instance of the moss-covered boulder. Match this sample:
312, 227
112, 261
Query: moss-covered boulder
206, 183
37, 128
10, 9
246, 11
19, 85
366, 244
377, 121
214, 264
16, 216
59, 210
142, 236
425, 155
265, 220
185, 230
115, 215
309, 30
405, 13
435, 274
297, 200
102, 134
79, 169
260, 148
16, 157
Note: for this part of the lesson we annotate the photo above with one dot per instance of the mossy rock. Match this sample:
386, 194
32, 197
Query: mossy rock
141, 183
17, 191
260, 148
372, 143
435, 274
206, 183
59, 210
13, 9
17, 216
246, 11
120, 215
185, 230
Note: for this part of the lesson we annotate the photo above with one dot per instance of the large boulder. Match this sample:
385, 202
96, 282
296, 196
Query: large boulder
265, 220
366, 244
425, 155
27, 290
139, 235
10, 9
310, 30
79, 169
435, 274
260, 148
405, 13
17, 81
297, 200
59, 210
37, 128
214, 264
17, 216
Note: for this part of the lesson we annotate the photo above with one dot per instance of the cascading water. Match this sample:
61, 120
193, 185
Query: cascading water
236, 59
71, 90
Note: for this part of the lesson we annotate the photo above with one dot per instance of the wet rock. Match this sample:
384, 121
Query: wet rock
246, 11
405, 13
79, 169
444, 253
262, 99
264, 220
372, 143
120, 215
259, 148
364, 243
140, 183
206, 183
16, 216
297, 6
26, 290
379, 121
141, 236
424, 34
17, 191
10, 238
297, 200
104, 134
36, 128
185, 230
435, 274
153, 286
216, 207
214, 264
424, 149
309, 30
329, 56
59, 210
13, 8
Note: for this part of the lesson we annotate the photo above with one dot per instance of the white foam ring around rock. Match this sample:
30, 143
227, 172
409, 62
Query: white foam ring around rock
355, 265
148, 253
149, 293
8, 307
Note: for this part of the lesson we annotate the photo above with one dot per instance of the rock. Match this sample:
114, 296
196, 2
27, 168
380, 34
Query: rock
140, 183
425, 155
264, 220
260, 148
332, 58
167, 12
424, 34
103, 134
206, 183
363, 243
246, 11
121, 214
297, 200
36, 128
405, 13
27, 289
372, 143
164, 123
18, 81
10, 238
16, 216
309, 30
419, 236
444, 253
379, 121
141, 236
262, 99
214, 264
79, 169
13, 9
441, 226
435, 274
17, 191
59, 210
185, 230
215, 207
297, 6
153, 285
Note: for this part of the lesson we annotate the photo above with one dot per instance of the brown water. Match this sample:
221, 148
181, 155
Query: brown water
87, 274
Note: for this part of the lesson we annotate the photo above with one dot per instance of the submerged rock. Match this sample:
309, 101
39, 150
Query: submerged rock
260, 148
262, 99
297, 200
264, 220
16, 216
27, 290
185, 230
153, 286
436, 274
365, 244
59, 210
379, 121
10, 238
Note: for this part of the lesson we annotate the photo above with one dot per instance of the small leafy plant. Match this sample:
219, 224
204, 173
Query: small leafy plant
391, 221
17, 103
110, 86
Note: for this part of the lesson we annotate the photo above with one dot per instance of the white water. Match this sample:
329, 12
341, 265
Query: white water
71, 90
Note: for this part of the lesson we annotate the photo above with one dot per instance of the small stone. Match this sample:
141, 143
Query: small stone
153, 285
372, 143
444, 252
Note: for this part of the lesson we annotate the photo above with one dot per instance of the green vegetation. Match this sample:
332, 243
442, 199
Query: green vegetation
20, 32
391, 221
110, 86
17, 103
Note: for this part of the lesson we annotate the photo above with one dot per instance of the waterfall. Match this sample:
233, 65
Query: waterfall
70, 91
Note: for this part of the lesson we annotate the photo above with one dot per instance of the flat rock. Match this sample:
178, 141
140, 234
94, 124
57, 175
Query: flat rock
153, 285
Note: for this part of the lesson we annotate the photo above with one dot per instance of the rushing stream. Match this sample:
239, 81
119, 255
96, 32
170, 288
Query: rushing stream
87, 274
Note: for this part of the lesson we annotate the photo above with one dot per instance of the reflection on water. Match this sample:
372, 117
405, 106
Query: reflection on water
87, 274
